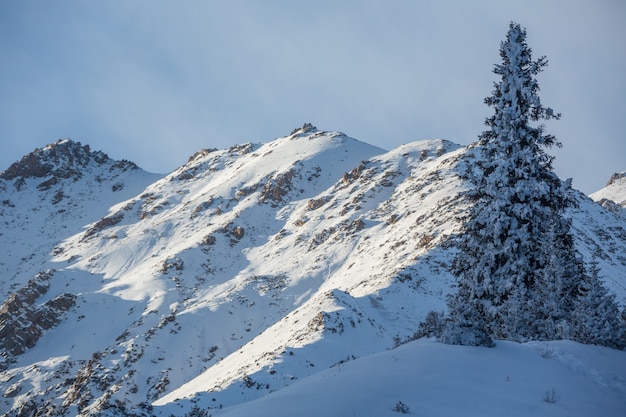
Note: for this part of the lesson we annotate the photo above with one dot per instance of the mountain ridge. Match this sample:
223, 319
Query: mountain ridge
261, 264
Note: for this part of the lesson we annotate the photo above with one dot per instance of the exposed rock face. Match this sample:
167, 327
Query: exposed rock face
63, 159
22, 321
611, 205
277, 187
103, 223
615, 177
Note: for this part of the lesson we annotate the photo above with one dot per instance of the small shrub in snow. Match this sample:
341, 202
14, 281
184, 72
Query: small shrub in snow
401, 408
197, 412
550, 396
545, 350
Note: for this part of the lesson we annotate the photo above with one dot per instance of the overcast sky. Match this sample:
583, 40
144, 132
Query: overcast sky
155, 81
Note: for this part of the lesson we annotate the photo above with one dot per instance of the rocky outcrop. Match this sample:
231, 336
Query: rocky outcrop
277, 187
103, 223
61, 160
616, 177
22, 321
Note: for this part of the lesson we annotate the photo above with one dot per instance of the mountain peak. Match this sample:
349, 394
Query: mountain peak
613, 195
63, 159
618, 176
306, 128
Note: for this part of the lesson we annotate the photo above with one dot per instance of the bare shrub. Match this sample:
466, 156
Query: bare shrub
550, 396
401, 408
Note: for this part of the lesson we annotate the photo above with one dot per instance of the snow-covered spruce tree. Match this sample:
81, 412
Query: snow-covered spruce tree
514, 201
596, 317
519, 275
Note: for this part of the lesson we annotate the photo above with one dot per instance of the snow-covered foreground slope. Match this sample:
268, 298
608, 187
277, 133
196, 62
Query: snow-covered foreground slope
241, 273
432, 379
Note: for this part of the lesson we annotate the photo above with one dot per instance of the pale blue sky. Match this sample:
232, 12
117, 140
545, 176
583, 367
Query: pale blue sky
154, 81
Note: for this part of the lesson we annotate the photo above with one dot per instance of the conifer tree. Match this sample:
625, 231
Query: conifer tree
516, 199
596, 317
557, 288
519, 275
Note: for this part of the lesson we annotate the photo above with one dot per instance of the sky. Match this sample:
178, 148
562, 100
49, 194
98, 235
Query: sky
154, 81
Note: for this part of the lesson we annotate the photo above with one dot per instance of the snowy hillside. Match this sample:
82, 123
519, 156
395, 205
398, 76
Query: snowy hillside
256, 272
424, 378
52, 193
614, 194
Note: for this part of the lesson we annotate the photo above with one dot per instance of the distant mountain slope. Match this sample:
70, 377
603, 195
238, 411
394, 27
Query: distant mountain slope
242, 271
614, 194
51, 194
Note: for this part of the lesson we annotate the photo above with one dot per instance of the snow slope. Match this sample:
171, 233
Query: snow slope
53, 193
243, 274
431, 379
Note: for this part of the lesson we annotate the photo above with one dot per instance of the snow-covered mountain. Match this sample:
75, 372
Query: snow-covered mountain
248, 273
49, 195
613, 196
